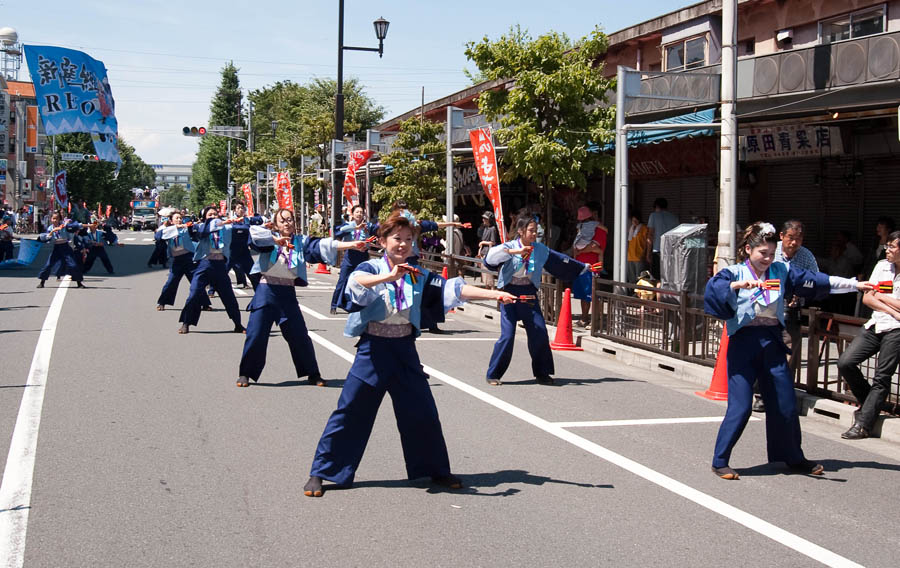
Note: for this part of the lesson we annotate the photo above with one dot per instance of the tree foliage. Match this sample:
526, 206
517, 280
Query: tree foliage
174, 196
97, 182
554, 113
419, 160
210, 170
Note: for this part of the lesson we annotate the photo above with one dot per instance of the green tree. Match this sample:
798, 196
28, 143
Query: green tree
419, 162
555, 112
174, 196
210, 170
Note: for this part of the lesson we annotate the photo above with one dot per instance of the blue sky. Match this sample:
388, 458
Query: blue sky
164, 58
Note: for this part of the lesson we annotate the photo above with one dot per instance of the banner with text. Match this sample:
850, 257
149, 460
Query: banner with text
486, 163
223, 207
358, 159
790, 141
72, 92
248, 197
283, 190
31, 129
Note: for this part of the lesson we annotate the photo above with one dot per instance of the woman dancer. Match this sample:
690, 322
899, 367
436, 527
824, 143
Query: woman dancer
213, 238
61, 232
390, 296
181, 251
355, 230
521, 263
281, 266
750, 297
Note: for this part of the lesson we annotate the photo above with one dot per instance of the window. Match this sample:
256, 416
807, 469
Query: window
686, 54
850, 26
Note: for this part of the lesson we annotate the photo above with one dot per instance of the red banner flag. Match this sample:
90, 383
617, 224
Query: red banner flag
99, 214
108, 211
358, 159
223, 207
486, 164
283, 191
248, 197
59, 190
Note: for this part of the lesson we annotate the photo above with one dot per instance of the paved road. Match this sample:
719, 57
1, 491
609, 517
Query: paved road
148, 455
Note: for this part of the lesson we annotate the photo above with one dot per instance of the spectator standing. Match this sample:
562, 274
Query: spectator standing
488, 236
881, 335
884, 226
638, 259
661, 221
589, 246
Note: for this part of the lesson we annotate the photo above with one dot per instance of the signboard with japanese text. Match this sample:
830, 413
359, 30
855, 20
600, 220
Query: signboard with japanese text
73, 93
486, 164
31, 129
790, 141
357, 159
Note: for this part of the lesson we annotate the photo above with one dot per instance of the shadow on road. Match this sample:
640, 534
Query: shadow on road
559, 381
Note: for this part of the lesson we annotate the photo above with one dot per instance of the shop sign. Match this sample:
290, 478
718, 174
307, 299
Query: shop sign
790, 141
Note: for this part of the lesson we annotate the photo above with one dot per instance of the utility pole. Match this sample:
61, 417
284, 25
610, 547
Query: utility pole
728, 151
20, 156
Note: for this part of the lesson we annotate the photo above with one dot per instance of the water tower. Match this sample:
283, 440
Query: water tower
10, 53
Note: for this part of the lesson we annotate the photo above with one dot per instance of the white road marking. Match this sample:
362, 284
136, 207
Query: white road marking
709, 502
15, 489
129, 239
317, 315
456, 339
238, 291
147, 240
644, 422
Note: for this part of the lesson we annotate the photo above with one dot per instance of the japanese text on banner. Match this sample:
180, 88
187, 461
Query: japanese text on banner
248, 197
283, 190
486, 164
358, 159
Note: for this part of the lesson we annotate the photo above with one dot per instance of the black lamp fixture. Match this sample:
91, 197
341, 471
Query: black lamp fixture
381, 29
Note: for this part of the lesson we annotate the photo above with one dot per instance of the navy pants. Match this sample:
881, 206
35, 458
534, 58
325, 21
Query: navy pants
529, 313
183, 265
276, 304
383, 365
63, 254
210, 272
93, 254
6, 250
159, 254
241, 262
759, 353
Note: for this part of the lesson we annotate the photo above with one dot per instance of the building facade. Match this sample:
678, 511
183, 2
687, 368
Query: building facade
170, 174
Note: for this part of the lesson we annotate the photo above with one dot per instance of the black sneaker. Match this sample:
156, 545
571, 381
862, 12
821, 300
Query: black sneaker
544, 380
316, 380
758, 404
40, 284
856, 432
449, 481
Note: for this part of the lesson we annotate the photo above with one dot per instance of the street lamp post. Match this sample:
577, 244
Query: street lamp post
381, 29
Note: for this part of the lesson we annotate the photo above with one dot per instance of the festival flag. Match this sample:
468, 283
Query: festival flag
486, 164
60, 192
223, 207
358, 159
108, 211
283, 190
248, 197
73, 94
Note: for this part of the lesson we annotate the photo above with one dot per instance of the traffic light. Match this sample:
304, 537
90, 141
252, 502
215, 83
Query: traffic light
194, 131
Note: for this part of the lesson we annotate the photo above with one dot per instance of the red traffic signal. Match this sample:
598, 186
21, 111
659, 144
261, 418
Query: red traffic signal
194, 131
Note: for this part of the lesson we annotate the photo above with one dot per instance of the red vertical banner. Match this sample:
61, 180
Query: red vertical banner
31, 129
223, 207
248, 197
357, 159
283, 191
486, 164
108, 211
99, 214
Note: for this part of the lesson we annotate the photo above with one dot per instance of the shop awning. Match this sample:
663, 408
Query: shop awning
642, 137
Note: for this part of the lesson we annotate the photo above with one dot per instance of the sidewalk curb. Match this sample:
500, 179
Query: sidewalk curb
810, 406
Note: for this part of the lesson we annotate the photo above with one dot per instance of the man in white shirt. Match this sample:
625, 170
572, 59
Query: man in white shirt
881, 335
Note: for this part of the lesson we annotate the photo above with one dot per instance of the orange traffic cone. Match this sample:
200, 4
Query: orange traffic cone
563, 340
718, 387
323, 269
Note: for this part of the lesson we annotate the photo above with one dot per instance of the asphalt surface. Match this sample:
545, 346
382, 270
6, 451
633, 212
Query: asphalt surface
148, 455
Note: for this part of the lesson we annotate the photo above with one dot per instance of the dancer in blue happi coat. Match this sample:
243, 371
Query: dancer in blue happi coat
213, 238
239, 259
61, 233
521, 263
355, 230
281, 266
389, 296
94, 238
175, 234
750, 297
